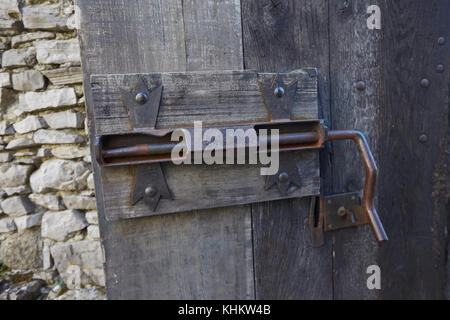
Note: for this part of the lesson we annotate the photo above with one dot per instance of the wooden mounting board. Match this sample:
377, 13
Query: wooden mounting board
216, 98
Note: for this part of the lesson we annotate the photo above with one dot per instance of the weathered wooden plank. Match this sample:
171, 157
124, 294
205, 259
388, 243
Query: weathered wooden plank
280, 36
223, 50
412, 192
355, 58
202, 186
213, 97
147, 36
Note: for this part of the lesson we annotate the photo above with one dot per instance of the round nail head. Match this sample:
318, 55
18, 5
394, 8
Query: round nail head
283, 177
425, 83
441, 40
342, 212
361, 85
423, 138
150, 191
278, 92
141, 98
440, 68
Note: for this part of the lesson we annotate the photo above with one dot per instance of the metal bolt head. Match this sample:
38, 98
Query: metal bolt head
141, 98
150, 191
361, 85
440, 68
278, 92
283, 177
425, 83
342, 212
441, 40
423, 138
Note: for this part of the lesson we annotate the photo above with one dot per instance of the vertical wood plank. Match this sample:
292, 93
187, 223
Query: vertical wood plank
393, 111
194, 255
355, 58
413, 198
281, 36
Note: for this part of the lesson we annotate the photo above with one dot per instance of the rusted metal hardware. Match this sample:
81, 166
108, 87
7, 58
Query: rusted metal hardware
148, 147
150, 185
153, 146
142, 104
371, 177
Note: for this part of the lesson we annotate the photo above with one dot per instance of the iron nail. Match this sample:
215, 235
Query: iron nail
141, 98
342, 212
425, 83
278, 92
423, 138
361, 85
283, 177
440, 68
441, 40
150, 191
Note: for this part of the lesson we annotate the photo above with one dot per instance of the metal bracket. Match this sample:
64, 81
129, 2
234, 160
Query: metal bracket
336, 212
150, 185
287, 175
142, 104
278, 97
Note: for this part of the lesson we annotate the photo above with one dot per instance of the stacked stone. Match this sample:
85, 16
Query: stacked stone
47, 210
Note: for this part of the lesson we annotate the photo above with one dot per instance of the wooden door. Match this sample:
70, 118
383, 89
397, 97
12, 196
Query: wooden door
263, 250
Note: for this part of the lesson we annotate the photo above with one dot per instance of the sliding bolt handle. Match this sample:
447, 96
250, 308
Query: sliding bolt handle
371, 177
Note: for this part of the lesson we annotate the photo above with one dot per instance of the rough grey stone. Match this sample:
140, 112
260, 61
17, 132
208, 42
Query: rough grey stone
22, 250
34, 101
20, 143
44, 152
92, 217
28, 80
70, 152
32, 161
56, 137
29, 124
64, 76
56, 174
17, 190
7, 97
17, 206
49, 201
10, 15
87, 255
7, 225
14, 175
5, 80
27, 222
90, 181
30, 36
27, 291
5, 157
48, 17
58, 51
19, 57
6, 128
79, 202
59, 225
83, 294
64, 119
93, 232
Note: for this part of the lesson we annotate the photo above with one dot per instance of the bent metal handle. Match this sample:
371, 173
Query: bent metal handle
371, 177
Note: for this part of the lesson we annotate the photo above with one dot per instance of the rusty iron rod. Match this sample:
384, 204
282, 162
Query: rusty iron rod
166, 148
371, 177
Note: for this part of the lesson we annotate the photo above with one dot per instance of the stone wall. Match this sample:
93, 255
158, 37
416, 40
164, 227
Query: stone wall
49, 233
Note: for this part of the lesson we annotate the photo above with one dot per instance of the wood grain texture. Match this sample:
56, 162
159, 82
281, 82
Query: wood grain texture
147, 36
280, 36
213, 97
413, 198
355, 58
